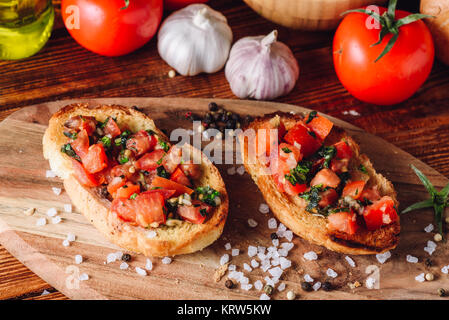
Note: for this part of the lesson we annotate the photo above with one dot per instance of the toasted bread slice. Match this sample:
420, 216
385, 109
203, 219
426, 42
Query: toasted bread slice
291, 210
182, 238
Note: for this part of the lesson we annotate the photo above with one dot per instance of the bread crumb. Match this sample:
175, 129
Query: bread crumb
220, 272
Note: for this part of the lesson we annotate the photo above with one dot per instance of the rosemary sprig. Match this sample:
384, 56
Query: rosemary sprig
437, 200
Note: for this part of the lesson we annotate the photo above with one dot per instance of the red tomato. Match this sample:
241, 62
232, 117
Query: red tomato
167, 194
107, 28
381, 212
327, 178
354, 189
344, 151
393, 78
173, 159
163, 183
84, 178
127, 190
294, 190
305, 138
343, 222
115, 184
178, 4
81, 144
193, 213
95, 160
288, 151
321, 126
112, 128
79, 123
141, 142
179, 177
191, 169
371, 194
339, 165
328, 197
150, 161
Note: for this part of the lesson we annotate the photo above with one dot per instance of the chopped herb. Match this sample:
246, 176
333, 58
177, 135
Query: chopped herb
70, 135
164, 145
328, 153
286, 150
344, 176
121, 140
312, 115
151, 132
312, 197
122, 159
362, 168
311, 133
300, 174
102, 125
208, 195
203, 212
68, 150
161, 172
159, 161
106, 141
133, 196
336, 210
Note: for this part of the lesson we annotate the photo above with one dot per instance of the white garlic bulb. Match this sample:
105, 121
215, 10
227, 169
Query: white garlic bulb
195, 39
261, 68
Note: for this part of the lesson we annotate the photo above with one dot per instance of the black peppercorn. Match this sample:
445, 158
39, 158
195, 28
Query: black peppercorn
126, 257
229, 284
268, 289
428, 262
248, 118
441, 292
327, 286
216, 116
274, 236
306, 286
213, 106
230, 124
235, 117
224, 117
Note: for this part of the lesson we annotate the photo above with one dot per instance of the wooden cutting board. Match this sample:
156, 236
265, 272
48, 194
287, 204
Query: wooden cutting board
23, 185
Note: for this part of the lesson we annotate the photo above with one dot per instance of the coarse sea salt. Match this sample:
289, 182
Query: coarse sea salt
246, 287
276, 272
252, 223
316, 286
287, 245
68, 208
241, 170
311, 255
285, 263
140, 271
151, 234
350, 261
124, 266
288, 235
258, 285
272, 224
445, 269
235, 252
44, 293
71, 237
83, 277
167, 260
331, 273
281, 287
263, 208
254, 263
382, 257
56, 220
232, 267
78, 259
308, 278
411, 259
420, 277
118, 255
50, 174
41, 222
275, 242
429, 228
264, 296
247, 267
56, 191
66, 243
149, 265
52, 212
252, 251
231, 171
227, 246
111, 258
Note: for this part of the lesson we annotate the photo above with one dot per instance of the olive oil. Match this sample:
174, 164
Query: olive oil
25, 26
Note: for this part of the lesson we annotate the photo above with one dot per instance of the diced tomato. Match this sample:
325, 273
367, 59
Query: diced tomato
371, 194
115, 184
321, 126
112, 128
145, 209
288, 151
84, 178
327, 178
81, 144
179, 177
382, 212
354, 189
328, 197
95, 160
150, 161
294, 190
339, 165
141, 142
80, 123
121, 170
344, 151
193, 213
127, 190
191, 169
172, 159
343, 222
163, 183
305, 138
167, 194
279, 180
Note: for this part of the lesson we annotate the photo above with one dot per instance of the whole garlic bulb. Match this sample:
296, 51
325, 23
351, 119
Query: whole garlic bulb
261, 68
195, 39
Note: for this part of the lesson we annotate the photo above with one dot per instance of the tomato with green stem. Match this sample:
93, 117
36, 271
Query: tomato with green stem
383, 57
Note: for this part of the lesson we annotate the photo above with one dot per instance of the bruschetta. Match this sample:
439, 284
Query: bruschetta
140, 192
317, 183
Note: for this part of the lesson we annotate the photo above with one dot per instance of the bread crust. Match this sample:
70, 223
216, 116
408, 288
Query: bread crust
183, 238
291, 210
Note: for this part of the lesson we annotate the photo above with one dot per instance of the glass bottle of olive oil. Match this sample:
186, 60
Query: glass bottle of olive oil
25, 26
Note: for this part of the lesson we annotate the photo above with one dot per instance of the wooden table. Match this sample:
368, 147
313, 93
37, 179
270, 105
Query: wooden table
64, 70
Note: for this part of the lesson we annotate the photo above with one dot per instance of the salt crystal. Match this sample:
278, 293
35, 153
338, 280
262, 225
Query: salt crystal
243, 280
308, 278
262, 256
151, 234
246, 287
247, 267
41, 222
287, 246
124, 266
78, 259
275, 262
241, 170
269, 281
429, 228
285, 263
66, 243
252, 223
445, 269
288, 235
272, 224
50, 174
331, 273
429, 250
71, 237
118, 255
281, 287
369, 282
52, 212
140, 271
228, 246
252, 251
232, 267
167, 260
254, 263
264, 296
283, 252
265, 266
263, 208
275, 242
350, 261
420, 277
68, 208
282, 227
224, 259
235, 252
231, 171
56, 191
316, 286
149, 265
56, 220
44, 293
382, 257
83, 277
258, 285
111, 258
276, 272
311, 255
261, 249
431, 244
411, 259
354, 113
